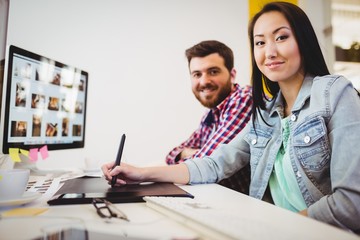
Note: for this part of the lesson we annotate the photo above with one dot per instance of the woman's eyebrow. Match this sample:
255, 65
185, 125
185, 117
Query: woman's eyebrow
282, 27
273, 32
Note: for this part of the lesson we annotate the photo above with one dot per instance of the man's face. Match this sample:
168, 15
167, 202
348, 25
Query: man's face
211, 81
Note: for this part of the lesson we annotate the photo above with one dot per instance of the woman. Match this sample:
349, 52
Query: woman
302, 141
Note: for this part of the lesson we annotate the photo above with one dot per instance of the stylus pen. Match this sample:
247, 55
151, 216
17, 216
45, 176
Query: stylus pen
118, 158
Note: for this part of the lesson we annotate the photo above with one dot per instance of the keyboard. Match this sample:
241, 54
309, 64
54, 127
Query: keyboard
208, 221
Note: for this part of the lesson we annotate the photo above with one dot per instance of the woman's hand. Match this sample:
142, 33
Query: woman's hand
126, 174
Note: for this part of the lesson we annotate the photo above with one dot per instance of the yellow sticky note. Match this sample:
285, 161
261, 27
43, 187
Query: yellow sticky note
14, 154
17, 212
24, 152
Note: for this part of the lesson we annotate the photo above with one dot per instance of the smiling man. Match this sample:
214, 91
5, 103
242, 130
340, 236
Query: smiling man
212, 73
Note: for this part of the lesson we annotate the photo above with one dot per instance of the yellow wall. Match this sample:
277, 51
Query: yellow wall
255, 6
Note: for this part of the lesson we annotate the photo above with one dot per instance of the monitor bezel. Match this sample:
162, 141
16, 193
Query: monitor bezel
5, 114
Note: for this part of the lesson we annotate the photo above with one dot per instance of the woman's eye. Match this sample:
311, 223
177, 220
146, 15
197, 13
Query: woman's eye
259, 43
283, 37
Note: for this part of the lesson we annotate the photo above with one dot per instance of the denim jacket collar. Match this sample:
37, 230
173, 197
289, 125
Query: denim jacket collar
303, 95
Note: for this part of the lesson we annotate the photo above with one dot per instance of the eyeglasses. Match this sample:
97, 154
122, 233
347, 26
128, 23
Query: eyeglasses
106, 209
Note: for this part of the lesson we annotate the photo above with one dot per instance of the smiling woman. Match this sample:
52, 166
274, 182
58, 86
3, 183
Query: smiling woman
254, 7
277, 55
296, 151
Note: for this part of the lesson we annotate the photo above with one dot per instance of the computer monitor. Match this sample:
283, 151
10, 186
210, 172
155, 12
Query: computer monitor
43, 103
2, 65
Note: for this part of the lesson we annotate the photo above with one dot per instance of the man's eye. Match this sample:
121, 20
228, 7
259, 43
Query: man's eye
196, 75
214, 72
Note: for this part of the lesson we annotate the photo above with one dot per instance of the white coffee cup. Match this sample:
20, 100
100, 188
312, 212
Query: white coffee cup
13, 183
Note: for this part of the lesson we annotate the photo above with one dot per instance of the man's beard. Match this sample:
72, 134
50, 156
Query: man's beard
213, 102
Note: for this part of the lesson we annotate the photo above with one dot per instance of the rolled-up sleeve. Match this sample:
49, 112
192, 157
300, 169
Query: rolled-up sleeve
222, 163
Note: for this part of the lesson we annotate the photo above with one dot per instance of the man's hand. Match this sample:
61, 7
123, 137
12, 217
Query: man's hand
303, 212
188, 152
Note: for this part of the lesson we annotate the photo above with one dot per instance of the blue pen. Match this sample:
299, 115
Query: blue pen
118, 158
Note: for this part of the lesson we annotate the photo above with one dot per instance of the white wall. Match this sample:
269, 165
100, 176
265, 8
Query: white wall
4, 9
134, 53
319, 13
138, 76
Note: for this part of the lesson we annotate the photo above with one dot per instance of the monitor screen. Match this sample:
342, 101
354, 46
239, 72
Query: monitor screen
44, 103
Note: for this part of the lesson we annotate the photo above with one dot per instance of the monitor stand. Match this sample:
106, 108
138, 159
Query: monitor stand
34, 170
6, 162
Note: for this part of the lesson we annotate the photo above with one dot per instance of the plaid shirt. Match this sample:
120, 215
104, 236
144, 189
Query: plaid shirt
220, 125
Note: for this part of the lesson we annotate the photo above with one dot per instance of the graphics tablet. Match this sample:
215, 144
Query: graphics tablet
83, 190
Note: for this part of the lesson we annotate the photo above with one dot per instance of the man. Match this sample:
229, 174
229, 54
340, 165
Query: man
212, 73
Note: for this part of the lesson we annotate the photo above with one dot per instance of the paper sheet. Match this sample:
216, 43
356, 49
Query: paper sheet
20, 212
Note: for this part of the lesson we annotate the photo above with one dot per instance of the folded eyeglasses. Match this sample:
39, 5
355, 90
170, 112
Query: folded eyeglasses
106, 209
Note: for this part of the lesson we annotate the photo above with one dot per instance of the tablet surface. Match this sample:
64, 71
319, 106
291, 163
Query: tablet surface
83, 190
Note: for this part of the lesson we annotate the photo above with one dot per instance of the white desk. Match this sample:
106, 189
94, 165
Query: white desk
258, 220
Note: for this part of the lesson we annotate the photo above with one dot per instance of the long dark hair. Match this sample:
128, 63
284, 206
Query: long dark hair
312, 59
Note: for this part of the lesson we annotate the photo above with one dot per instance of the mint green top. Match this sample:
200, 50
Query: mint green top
283, 185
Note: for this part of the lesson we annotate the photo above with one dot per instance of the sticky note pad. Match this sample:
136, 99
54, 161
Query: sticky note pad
14, 154
33, 154
17, 212
24, 152
44, 152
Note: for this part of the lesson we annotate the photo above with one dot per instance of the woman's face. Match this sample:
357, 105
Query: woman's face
276, 51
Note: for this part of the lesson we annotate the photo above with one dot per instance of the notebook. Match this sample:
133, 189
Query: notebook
83, 190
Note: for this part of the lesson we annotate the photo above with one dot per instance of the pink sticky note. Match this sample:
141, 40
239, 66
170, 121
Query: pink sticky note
33, 154
44, 152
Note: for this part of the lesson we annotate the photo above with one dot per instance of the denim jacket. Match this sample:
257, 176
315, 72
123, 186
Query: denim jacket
324, 150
